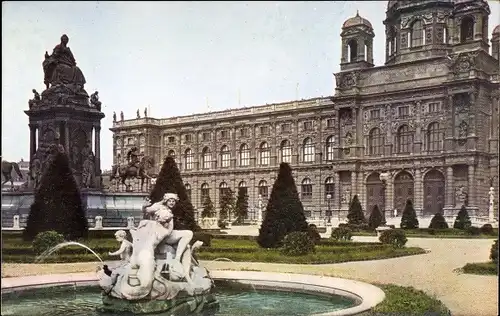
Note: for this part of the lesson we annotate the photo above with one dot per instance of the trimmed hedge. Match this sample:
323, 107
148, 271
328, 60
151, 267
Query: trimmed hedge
483, 268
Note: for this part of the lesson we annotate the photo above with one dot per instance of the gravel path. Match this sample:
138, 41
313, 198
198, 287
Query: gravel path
464, 294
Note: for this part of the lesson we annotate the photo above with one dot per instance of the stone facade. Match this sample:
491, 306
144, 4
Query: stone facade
423, 127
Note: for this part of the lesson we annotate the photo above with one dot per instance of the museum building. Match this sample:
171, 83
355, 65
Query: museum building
424, 126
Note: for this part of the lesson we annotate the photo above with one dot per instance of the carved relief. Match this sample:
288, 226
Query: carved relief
348, 140
404, 39
462, 103
461, 196
442, 17
428, 36
462, 62
463, 130
346, 117
440, 35
348, 80
142, 140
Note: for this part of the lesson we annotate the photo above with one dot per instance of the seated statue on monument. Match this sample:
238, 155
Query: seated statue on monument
151, 282
63, 79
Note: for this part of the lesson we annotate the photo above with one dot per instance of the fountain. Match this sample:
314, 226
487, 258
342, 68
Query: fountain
160, 274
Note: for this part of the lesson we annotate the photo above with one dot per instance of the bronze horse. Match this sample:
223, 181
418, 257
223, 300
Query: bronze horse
139, 170
7, 172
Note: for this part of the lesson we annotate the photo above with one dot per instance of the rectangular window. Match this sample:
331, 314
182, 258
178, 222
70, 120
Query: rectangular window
171, 139
375, 114
286, 128
264, 130
434, 107
403, 111
187, 138
330, 123
308, 126
224, 134
206, 137
244, 132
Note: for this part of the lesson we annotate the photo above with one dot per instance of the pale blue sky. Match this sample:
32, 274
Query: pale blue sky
174, 55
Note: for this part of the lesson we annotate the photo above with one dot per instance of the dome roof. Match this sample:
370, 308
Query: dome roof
496, 30
357, 20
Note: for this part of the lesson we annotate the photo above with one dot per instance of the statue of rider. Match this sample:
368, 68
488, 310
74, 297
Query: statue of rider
133, 157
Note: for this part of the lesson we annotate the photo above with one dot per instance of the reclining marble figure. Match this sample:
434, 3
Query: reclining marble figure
161, 266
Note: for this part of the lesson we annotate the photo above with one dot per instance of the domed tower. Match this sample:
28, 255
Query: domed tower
470, 25
495, 43
357, 44
417, 30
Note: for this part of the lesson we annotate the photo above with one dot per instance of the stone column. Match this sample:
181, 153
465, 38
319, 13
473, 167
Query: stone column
418, 194
389, 194
32, 140
472, 185
66, 135
478, 28
354, 187
97, 139
449, 187
338, 191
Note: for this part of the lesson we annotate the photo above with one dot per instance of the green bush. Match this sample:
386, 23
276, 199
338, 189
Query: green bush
494, 252
312, 230
46, 240
473, 231
487, 229
395, 237
204, 237
355, 214
438, 222
409, 218
342, 233
463, 220
297, 244
376, 218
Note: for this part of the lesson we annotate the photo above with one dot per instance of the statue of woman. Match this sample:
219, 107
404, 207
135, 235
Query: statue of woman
60, 67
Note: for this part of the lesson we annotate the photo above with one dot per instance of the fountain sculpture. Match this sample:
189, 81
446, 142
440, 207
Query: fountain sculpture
161, 273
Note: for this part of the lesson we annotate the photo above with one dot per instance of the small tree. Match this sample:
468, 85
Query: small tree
208, 207
226, 204
58, 205
409, 218
169, 181
355, 216
494, 252
284, 211
241, 205
463, 220
376, 219
438, 222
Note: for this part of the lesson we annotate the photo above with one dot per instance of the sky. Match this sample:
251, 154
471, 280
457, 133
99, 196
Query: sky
178, 58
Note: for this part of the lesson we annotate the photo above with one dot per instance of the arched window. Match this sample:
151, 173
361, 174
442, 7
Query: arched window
329, 189
206, 158
286, 151
466, 29
306, 189
391, 39
225, 156
405, 140
352, 50
308, 150
263, 189
188, 190
188, 159
417, 33
264, 153
244, 155
330, 143
243, 187
223, 189
205, 191
435, 137
376, 142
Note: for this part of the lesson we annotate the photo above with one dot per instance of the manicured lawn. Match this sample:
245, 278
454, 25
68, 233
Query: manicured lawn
435, 233
407, 301
14, 249
484, 268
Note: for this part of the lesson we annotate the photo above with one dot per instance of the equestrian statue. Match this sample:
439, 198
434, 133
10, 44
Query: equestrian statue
137, 167
7, 172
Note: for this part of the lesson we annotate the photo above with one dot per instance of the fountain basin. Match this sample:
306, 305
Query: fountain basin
361, 296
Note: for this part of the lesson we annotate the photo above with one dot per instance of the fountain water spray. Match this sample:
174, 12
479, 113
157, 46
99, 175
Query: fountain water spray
50, 251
